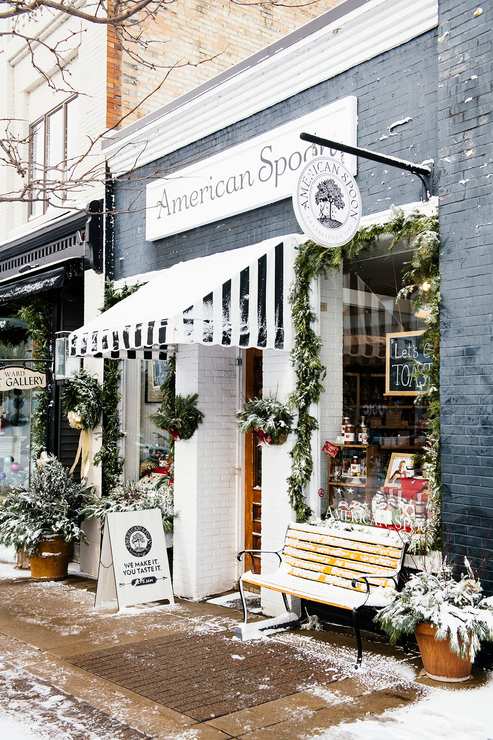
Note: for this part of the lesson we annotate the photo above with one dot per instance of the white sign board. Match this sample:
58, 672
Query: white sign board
134, 565
22, 378
256, 173
327, 202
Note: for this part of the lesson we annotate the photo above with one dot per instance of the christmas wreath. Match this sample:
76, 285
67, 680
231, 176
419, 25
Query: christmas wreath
269, 418
82, 401
178, 414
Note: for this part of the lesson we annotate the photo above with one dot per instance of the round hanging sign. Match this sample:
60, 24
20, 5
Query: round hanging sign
327, 202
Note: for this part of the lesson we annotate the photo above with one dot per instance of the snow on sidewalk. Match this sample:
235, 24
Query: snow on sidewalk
451, 714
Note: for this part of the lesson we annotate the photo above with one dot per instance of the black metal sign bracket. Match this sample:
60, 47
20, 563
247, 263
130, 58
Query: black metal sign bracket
424, 173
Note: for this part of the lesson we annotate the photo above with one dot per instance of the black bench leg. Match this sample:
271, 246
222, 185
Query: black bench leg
286, 604
243, 601
358, 638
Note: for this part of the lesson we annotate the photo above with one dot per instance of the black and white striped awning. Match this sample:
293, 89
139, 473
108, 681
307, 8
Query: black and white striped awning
237, 298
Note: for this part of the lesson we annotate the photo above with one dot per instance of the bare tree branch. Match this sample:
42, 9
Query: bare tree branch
69, 178
125, 9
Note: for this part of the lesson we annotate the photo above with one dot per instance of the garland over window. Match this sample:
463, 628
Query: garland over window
421, 280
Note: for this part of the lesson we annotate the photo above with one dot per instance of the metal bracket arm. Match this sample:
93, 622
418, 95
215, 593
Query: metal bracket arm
422, 171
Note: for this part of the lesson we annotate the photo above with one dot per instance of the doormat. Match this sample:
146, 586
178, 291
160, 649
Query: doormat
206, 676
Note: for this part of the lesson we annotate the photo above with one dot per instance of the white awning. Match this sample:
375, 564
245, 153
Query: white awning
237, 298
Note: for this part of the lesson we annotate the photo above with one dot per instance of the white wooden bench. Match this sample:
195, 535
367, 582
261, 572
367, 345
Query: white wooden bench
346, 569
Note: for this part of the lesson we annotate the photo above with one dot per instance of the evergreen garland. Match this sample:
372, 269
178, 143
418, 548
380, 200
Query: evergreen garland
178, 414
313, 261
38, 316
109, 456
83, 400
13, 335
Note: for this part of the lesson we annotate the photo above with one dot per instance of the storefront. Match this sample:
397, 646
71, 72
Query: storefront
42, 280
215, 220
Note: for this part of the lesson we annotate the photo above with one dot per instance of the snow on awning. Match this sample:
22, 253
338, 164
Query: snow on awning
237, 298
41, 282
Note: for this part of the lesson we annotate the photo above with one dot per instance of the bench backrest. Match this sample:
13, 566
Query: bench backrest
336, 556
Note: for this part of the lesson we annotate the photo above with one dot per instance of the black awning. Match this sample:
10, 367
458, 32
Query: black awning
41, 282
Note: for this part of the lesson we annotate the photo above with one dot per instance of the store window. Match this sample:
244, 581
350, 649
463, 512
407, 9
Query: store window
374, 478
16, 405
52, 152
146, 446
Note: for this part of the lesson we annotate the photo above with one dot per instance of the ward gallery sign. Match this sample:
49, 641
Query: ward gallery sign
21, 378
261, 171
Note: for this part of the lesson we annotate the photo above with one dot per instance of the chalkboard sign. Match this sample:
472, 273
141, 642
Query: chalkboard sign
403, 350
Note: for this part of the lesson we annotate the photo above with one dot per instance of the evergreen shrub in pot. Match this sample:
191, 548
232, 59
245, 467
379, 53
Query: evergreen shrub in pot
45, 518
449, 615
269, 418
144, 494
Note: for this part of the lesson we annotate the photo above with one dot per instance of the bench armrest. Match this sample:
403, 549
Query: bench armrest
251, 553
394, 575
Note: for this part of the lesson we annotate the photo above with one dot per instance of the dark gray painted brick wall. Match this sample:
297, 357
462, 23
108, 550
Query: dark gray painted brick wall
396, 85
465, 179
430, 80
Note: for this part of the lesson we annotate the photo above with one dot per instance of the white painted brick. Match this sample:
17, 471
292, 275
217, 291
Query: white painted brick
205, 475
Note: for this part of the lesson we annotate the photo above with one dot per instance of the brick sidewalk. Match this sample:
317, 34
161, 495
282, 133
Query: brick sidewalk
175, 672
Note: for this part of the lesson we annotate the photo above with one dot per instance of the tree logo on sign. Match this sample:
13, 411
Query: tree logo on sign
328, 196
138, 541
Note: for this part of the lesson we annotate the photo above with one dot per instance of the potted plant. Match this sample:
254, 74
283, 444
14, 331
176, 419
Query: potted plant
269, 418
154, 492
45, 518
449, 617
178, 414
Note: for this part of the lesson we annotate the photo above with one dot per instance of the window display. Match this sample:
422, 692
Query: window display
373, 478
16, 406
146, 446
15, 428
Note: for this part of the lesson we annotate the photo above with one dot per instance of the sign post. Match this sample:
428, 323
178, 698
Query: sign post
134, 566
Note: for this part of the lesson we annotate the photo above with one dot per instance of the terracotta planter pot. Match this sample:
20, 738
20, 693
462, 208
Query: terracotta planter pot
439, 662
51, 559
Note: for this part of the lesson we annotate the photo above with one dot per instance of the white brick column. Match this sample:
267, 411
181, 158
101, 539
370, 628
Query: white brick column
279, 381
205, 470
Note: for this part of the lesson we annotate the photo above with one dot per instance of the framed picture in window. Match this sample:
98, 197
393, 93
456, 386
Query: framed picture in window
155, 375
400, 466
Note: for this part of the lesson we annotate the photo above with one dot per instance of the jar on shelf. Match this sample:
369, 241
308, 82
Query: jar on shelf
363, 432
349, 433
355, 466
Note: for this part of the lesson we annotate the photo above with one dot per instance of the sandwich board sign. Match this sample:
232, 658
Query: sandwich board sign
134, 566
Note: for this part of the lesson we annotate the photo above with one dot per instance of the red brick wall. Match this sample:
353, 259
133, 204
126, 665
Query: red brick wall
197, 39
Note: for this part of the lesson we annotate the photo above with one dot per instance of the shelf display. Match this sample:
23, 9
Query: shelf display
357, 493
351, 478
393, 422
